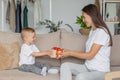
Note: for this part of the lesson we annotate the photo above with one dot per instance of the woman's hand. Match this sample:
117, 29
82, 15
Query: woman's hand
65, 53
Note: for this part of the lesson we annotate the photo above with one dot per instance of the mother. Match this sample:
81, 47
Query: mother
97, 51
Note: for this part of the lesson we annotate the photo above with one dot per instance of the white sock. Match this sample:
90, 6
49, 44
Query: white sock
44, 71
53, 71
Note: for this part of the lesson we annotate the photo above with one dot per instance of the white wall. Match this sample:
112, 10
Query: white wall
65, 10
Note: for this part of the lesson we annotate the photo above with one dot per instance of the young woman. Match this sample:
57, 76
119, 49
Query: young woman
97, 51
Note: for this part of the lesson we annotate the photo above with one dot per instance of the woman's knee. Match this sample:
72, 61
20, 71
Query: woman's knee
65, 64
81, 77
90, 76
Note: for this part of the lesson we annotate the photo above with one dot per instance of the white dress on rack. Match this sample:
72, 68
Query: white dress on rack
37, 13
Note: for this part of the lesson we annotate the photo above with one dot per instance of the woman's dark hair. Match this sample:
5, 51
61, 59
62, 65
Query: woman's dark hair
97, 19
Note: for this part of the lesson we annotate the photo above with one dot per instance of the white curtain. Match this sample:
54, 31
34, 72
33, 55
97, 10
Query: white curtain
37, 13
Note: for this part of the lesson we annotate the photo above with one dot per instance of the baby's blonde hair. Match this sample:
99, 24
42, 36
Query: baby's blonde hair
26, 31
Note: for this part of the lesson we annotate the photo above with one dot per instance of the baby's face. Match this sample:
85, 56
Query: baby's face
31, 38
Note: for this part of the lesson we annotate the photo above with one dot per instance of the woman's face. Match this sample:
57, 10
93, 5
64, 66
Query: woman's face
87, 19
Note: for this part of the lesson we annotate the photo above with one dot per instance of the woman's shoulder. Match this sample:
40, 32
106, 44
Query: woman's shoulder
102, 30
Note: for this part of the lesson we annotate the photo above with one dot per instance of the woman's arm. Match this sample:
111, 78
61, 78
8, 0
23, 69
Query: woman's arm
82, 55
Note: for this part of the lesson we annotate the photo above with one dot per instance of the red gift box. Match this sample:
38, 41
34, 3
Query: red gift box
56, 51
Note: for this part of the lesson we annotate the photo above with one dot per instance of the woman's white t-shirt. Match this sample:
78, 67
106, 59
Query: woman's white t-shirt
101, 61
25, 54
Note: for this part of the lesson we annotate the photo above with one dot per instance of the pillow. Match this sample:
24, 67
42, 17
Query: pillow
72, 41
46, 42
115, 51
10, 37
9, 55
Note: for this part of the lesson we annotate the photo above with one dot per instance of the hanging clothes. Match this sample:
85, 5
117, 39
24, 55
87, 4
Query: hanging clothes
25, 17
18, 17
12, 15
37, 13
8, 13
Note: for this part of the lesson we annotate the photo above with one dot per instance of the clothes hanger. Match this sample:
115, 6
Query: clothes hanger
32, 1
18, 1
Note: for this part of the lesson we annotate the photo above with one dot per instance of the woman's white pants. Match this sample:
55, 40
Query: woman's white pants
80, 72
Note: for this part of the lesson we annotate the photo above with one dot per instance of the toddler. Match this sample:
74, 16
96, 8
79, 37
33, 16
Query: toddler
28, 53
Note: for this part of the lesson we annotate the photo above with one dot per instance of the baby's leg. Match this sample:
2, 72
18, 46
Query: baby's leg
30, 68
44, 67
44, 71
42, 64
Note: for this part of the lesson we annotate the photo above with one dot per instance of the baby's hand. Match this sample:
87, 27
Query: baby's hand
49, 52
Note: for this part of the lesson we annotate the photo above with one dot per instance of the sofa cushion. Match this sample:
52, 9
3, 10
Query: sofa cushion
73, 41
115, 68
9, 55
46, 42
10, 37
19, 75
51, 61
115, 51
10, 45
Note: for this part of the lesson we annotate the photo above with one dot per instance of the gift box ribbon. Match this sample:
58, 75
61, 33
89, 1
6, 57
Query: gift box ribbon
57, 50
